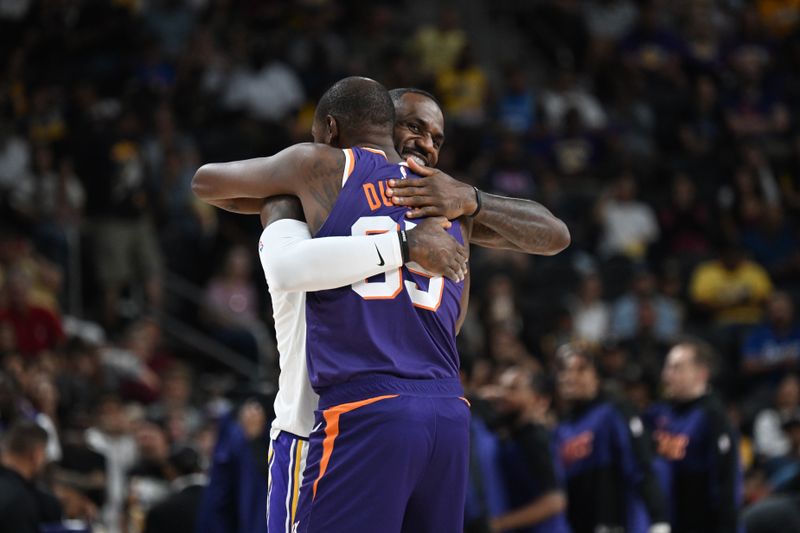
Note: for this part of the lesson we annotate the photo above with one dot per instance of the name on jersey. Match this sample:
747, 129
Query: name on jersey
671, 445
376, 196
577, 448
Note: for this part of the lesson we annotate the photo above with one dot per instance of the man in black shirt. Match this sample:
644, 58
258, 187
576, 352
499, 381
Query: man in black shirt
23, 507
697, 448
177, 512
536, 498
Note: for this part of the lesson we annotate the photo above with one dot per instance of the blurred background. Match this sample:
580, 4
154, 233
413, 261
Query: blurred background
135, 320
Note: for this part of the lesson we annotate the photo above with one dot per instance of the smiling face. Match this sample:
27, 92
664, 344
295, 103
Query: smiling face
419, 128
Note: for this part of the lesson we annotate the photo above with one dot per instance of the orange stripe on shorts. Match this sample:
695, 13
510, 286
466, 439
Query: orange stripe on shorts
332, 431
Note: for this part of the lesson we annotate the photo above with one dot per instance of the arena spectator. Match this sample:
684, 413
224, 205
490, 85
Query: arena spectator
126, 251
177, 512
510, 171
231, 303
773, 348
629, 225
175, 408
23, 507
784, 471
136, 363
768, 435
626, 313
437, 47
464, 90
111, 438
774, 244
731, 289
609, 21
516, 107
685, 221
35, 329
701, 131
567, 94
591, 316
15, 157
148, 478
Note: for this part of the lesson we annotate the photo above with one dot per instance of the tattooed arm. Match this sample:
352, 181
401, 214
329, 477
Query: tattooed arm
312, 172
508, 223
520, 225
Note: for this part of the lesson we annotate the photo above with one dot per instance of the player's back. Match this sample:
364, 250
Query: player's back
398, 325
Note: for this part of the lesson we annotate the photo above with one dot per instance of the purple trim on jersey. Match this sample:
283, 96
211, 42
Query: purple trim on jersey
350, 337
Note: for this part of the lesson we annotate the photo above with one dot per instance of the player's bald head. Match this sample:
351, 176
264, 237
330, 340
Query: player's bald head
357, 104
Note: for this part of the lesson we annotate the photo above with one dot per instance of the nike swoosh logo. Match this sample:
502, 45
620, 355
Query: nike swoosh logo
379, 256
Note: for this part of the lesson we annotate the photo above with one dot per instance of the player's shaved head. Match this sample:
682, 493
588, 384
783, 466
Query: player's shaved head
397, 94
357, 104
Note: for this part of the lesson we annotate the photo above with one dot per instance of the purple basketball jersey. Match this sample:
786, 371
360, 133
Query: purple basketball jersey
399, 324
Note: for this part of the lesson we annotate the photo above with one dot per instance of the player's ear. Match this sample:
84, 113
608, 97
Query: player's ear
332, 130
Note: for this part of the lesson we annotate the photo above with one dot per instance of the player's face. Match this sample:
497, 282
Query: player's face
418, 129
577, 379
681, 375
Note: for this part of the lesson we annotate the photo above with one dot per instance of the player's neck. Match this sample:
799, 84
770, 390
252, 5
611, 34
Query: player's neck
377, 140
389, 150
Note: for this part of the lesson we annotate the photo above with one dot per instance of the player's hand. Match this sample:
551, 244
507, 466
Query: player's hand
437, 251
434, 194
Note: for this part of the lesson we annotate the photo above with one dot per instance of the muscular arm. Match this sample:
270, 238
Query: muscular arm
312, 172
520, 225
508, 223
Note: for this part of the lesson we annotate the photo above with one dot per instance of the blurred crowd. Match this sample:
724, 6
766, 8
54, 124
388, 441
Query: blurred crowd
665, 133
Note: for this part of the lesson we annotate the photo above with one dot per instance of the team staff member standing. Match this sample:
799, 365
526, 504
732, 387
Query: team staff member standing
611, 487
697, 447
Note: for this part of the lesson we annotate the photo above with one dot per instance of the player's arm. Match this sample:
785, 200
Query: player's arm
300, 170
502, 222
293, 261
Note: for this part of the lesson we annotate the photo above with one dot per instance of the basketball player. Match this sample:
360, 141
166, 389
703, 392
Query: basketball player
433, 355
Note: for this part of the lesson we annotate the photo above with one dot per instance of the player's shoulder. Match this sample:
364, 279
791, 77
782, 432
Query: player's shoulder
314, 150
314, 160
713, 407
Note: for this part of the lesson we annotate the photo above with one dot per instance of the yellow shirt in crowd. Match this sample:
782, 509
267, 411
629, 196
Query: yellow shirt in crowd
736, 295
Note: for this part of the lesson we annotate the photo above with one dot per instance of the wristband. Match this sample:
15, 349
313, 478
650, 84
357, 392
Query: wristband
404, 249
478, 201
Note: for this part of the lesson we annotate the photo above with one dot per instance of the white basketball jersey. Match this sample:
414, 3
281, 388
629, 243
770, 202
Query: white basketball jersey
296, 401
